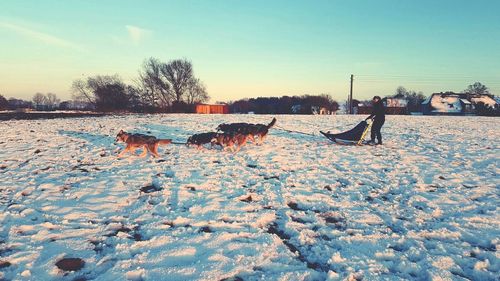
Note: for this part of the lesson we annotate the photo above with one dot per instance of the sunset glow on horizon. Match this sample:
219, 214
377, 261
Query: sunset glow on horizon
254, 48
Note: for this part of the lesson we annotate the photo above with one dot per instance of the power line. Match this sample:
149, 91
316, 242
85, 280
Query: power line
424, 79
420, 81
440, 75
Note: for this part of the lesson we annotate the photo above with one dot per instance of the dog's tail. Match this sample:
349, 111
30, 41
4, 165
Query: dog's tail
270, 125
164, 141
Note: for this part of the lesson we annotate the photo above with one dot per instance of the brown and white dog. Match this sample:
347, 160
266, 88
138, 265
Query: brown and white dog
225, 140
135, 141
229, 140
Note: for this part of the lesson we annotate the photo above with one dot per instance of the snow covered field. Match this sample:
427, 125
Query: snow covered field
425, 205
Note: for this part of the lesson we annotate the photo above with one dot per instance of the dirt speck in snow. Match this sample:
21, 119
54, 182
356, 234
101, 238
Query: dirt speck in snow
70, 264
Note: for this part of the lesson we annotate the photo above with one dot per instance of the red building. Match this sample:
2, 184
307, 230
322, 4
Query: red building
212, 109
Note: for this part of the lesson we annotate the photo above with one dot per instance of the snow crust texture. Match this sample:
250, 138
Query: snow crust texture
424, 206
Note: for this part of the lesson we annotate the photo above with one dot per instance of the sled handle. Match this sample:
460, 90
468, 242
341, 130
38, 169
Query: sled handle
365, 132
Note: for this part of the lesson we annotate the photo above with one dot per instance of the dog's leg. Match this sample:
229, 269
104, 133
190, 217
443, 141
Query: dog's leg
262, 138
241, 143
238, 147
144, 151
232, 146
127, 148
154, 150
121, 153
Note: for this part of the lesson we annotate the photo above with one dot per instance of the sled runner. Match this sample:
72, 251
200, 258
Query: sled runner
354, 136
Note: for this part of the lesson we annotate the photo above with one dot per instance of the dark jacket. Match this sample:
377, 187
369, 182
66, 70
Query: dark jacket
378, 111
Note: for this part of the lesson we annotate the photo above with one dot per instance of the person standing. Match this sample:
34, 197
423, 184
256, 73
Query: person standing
378, 115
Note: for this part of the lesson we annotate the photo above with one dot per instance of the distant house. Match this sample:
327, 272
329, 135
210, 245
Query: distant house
212, 109
321, 110
450, 103
396, 106
487, 100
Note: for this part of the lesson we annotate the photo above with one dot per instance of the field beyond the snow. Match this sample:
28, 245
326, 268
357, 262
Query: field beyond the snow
425, 205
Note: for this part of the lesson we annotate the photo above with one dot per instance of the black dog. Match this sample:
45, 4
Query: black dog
201, 139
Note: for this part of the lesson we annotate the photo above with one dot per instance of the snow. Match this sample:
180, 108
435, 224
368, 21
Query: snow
449, 104
422, 206
488, 101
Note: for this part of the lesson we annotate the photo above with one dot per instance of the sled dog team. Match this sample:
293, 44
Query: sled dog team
237, 134
229, 136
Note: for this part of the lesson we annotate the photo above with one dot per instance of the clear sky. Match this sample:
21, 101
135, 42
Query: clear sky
254, 48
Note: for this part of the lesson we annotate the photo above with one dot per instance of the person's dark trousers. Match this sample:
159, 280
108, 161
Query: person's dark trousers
376, 126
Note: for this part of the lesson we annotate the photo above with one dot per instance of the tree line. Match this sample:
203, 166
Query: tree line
161, 87
414, 99
172, 87
306, 104
47, 101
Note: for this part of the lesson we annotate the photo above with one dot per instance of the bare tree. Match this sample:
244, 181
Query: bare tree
154, 87
179, 74
196, 92
81, 92
100, 81
146, 93
39, 100
163, 84
52, 101
134, 97
109, 92
104, 92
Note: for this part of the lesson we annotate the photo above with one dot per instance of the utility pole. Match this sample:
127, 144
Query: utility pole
350, 96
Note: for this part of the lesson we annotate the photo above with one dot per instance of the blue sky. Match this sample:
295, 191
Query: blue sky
254, 48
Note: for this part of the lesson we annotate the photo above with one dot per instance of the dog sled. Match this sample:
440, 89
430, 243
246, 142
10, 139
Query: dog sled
355, 136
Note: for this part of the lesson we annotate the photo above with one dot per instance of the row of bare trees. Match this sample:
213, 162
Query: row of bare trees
47, 101
104, 92
161, 86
